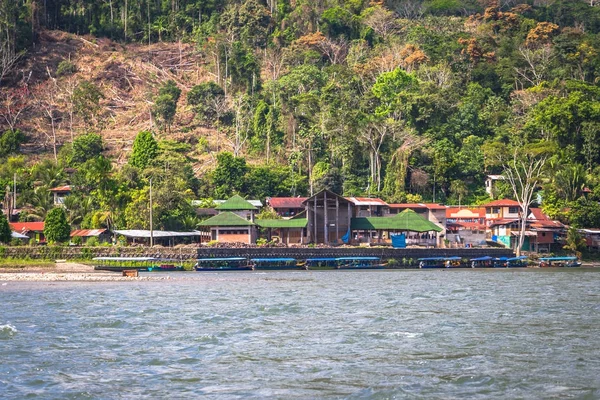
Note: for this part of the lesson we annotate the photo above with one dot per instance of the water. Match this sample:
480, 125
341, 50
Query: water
509, 334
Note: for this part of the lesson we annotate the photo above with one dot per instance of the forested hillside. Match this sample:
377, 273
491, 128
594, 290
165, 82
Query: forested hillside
408, 100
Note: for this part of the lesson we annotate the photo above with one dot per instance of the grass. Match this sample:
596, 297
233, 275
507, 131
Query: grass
16, 263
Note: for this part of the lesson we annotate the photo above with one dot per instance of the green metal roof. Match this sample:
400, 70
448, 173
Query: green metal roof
236, 203
407, 220
226, 218
282, 223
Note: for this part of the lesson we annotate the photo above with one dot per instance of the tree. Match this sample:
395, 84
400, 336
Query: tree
523, 171
86, 147
165, 104
57, 229
5, 232
229, 176
208, 100
86, 101
145, 149
10, 142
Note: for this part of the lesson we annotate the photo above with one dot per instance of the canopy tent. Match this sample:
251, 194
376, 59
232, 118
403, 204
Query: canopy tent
407, 220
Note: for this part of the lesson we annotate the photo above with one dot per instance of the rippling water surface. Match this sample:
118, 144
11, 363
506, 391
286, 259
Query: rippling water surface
340, 334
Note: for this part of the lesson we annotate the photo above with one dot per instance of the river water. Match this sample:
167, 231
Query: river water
436, 334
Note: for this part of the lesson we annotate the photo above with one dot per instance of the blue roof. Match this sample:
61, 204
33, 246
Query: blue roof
485, 258
221, 259
357, 258
517, 258
273, 259
558, 258
439, 258
502, 258
319, 259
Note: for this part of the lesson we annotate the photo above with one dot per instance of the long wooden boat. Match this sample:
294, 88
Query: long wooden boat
359, 263
568, 262
323, 263
517, 262
119, 264
440, 262
275, 263
482, 262
165, 267
223, 264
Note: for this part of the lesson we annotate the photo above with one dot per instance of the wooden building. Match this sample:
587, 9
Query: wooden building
329, 217
234, 223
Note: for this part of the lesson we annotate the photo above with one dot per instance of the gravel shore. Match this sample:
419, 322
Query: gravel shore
69, 272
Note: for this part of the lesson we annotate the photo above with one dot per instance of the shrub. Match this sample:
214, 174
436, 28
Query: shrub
212, 243
92, 242
261, 242
393, 263
77, 240
57, 228
66, 67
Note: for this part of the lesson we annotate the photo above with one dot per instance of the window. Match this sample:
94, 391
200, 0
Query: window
495, 210
513, 210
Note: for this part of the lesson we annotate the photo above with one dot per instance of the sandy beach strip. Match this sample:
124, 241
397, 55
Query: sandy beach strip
70, 272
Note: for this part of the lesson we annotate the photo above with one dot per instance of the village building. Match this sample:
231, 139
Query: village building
234, 223
433, 212
60, 193
33, 230
287, 207
592, 238
102, 235
466, 226
499, 210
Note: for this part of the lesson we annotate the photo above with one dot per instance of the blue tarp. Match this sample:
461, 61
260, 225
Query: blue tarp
399, 241
346, 237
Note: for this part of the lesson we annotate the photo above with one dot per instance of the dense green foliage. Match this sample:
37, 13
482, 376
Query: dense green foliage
404, 99
5, 232
57, 229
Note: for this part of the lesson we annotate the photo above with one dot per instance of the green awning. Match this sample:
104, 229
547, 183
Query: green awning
282, 223
226, 218
407, 220
236, 203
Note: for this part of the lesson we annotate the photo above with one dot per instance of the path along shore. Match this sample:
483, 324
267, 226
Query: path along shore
66, 271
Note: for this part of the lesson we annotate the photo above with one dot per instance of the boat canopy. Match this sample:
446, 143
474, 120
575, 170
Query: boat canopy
485, 258
221, 259
456, 258
558, 259
273, 259
357, 259
320, 259
517, 258
124, 259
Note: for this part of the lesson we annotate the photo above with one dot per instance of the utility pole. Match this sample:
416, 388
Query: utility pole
14, 191
151, 226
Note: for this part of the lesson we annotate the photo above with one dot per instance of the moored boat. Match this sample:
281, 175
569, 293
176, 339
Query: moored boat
359, 263
223, 264
440, 262
482, 262
568, 262
275, 263
517, 262
119, 264
320, 263
165, 267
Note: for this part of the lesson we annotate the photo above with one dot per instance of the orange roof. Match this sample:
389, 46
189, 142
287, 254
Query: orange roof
452, 211
27, 226
429, 206
286, 202
87, 232
66, 188
502, 203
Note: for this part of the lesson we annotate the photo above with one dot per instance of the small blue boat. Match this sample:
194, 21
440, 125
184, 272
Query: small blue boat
568, 262
517, 262
223, 264
275, 263
359, 263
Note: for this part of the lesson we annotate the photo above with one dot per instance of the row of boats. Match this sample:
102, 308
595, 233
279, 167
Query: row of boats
248, 264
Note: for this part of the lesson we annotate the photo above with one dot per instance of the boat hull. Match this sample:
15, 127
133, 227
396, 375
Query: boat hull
221, 269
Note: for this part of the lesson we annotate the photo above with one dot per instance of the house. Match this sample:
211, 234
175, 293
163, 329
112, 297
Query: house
592, 238
432, 212
234, 223
466, 226
102, 235
329, 217
60, 193
504, 209
286, 207
541, 233
33, 230
369, 207
489, 184
287, 230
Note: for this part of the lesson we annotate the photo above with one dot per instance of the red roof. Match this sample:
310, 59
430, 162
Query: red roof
367, 201
429, 206
502, 203
66, 188
87, 232
27, 226
538, 214
286, 202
